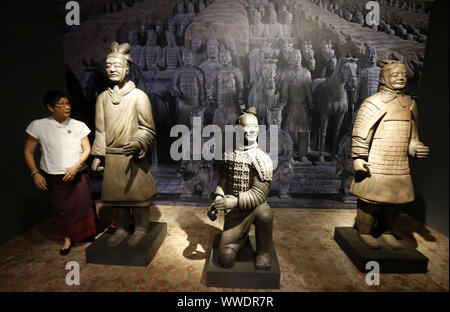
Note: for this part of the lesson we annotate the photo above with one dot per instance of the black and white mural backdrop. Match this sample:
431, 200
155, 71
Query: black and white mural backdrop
306, 65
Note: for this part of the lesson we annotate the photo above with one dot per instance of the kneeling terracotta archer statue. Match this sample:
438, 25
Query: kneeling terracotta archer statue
242, 192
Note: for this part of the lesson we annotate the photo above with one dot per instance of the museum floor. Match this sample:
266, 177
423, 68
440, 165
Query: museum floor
310, 259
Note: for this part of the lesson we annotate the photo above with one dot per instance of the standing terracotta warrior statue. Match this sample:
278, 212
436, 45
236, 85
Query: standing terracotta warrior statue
124, 130
296, 94
385, 133
227, 91
242, 193
188, 87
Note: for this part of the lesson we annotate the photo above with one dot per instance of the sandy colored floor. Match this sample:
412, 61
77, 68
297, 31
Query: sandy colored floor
310, 259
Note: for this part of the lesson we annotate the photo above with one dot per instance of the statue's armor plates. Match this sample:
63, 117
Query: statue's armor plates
369, 79
152, 55
135, 53
209, 69
237, 165
189, 84
172, 57
226, 86
389, 151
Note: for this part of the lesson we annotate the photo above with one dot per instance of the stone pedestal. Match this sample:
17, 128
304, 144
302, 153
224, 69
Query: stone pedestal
244, 273
408, 260
141, 255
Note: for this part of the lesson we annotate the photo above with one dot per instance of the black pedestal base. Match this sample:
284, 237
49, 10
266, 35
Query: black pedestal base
244, 273
407, 260
122, 254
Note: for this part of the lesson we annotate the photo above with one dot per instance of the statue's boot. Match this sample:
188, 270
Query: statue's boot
369, 240
122, 217
392, 241
366, 216
137, 237
309, 143
303, 147
263, 261
264, 238
117, 237
321, 147
390, 215
141, 216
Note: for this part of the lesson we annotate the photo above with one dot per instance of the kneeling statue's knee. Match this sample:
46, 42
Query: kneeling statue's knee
265, 215
227, 257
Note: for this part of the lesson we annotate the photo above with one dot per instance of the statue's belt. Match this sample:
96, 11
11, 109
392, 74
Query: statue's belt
114, 150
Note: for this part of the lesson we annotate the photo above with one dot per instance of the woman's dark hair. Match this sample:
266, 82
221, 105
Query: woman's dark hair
52, 97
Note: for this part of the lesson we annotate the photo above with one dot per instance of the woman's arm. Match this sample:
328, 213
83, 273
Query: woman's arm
30, 147
72, 171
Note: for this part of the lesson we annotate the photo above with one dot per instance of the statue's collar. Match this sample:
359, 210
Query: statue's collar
242, 148
385, 89
117, 93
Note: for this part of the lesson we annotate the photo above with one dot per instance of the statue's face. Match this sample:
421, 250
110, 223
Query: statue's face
188, 58
289, 18
251, 129
229, 43
225, 58
395, 78
212, 50
272, 17
116, 69
196, 43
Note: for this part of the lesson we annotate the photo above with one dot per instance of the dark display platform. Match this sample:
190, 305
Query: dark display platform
244, 273
141, 255
408, 260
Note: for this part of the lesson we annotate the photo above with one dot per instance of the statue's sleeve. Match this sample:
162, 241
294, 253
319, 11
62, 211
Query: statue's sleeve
146, 132
240, 81
162, 60
221, 185
201, 82
363, 131
414, 141
98, 148
284, 85
255, 196
308, 88
158, 56
176, 78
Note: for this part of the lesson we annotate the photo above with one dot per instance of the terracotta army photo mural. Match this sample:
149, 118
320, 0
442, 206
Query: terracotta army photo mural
307, 66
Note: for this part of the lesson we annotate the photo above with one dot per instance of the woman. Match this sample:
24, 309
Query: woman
64, 150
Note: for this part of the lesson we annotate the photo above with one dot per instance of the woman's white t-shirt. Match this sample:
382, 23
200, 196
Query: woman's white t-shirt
60, 142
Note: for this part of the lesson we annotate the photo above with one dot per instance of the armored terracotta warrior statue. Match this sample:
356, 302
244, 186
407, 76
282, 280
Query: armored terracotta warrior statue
256, 27
152, 52
188, 87
242, 193
273, 29
196, 47
136, 52
385, 133
171, 52
296, 94
369, 76
227, 91
124, 130
209, 68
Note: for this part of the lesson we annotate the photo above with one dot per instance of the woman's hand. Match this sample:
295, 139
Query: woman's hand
71, 173
40, 182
